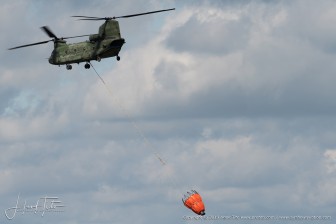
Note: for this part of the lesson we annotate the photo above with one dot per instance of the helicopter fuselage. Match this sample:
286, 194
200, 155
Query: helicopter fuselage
86, 51
107, 43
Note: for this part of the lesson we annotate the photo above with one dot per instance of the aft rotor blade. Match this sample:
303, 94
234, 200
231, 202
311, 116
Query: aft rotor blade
87, 17
96, 19
92, 18
49, 32
27, 45
117, 17
145, 13
63, 38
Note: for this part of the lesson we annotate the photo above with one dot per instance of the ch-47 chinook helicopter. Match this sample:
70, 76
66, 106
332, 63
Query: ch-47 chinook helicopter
107, 43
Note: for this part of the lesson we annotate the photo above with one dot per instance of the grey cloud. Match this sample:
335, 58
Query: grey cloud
316, 28
281, 77
209, 37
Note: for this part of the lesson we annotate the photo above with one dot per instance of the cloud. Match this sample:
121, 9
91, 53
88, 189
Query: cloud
260, 78
210, 31
330, 156
236, 97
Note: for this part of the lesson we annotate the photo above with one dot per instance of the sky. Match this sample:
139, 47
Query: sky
236, 97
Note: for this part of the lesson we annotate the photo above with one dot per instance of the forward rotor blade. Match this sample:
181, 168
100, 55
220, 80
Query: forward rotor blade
49, 32
145, 13
27, 45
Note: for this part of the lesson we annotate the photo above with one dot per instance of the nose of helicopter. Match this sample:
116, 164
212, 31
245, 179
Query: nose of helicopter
50, 60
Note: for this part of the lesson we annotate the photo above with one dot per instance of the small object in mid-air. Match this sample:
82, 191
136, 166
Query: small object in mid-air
193, 201
104, 44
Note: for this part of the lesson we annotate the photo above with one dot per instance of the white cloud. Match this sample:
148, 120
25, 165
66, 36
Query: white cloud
330, 156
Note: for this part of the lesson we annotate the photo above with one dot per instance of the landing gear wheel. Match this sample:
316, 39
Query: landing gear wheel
87, 66
118, 58
68, 67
